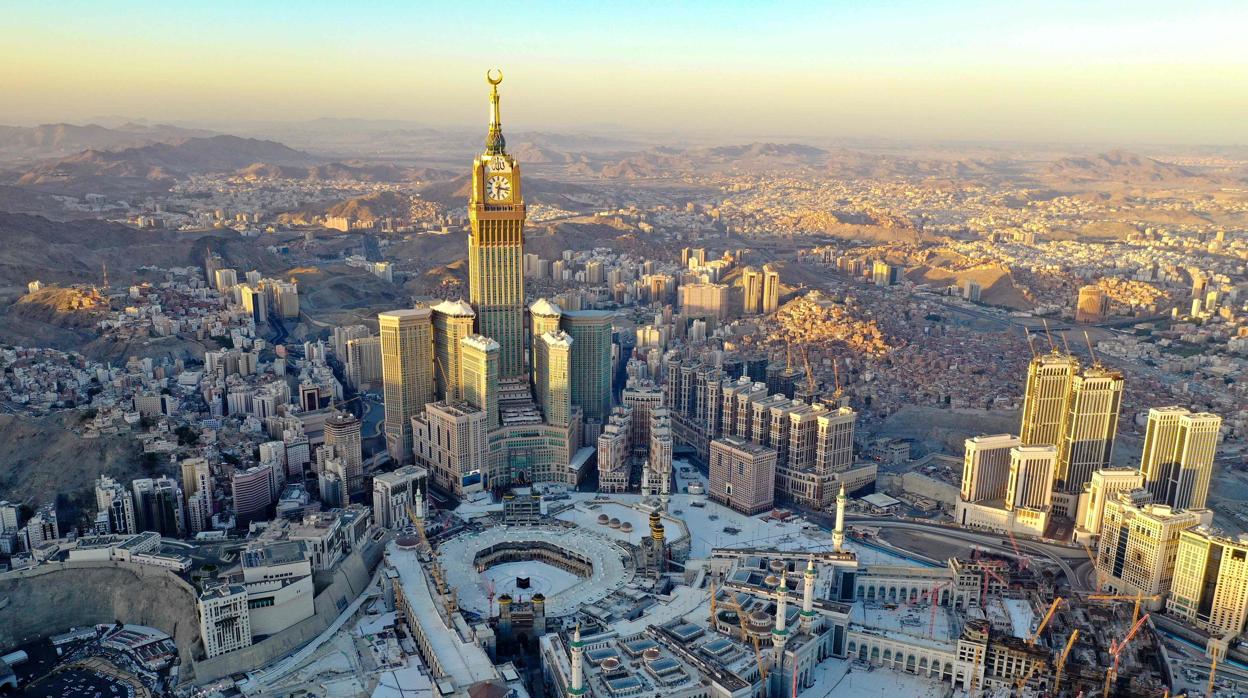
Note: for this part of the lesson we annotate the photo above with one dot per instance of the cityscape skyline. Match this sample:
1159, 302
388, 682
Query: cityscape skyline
1071, 72
355, 410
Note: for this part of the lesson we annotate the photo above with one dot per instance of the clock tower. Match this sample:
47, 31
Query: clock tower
496, 244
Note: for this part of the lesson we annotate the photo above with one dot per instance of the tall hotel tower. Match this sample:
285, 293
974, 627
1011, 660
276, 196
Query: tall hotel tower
1177, 463
1049, 377
496, 245
406, 374
1087, 443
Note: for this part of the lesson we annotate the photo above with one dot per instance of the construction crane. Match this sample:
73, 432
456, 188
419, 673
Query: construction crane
712, 602
1061, 662
1095, 569
983, 593
933, 599
1047, 617
1116, 648
810, 374
1022, 560
836, 379
1213, 673
1214, 649
975, 671
1137, 598
758, 653
1022, 680
758, 659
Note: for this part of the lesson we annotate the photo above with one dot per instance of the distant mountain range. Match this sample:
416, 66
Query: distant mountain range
342, 172
1117, 166
452, 193
59, 140
157, 165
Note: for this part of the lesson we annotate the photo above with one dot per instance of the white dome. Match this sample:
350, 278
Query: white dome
458, 308
544, 307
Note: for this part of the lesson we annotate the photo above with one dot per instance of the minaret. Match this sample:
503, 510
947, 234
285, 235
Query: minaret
657, 543
779, 637
838, 534
419, 504
808, 594
577, 687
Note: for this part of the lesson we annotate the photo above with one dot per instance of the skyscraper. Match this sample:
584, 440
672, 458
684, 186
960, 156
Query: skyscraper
554, 377
479, 357
1177, 462
342, 435
751, 291
452, 321
771, 289
1105, 485
1210, 586
986, 467
1093, 304
394, 492
1044, 403
252, 491
1139, 543
115, 502
255, 303
742, 474
364, 362
543, 317
615, 450
1087, 442
1030, 484
703, 301
453, 445
406, 373
496, 212
590, 331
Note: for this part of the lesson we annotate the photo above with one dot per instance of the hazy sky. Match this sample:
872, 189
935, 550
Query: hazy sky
1083, 71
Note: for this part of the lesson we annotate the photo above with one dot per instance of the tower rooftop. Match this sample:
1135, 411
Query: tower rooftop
457, 308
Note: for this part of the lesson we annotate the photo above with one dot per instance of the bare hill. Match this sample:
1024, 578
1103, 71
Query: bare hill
368, 208
1118, 166
59, 140
996, 284
340, 172
453, 193
33, 247
43, 457
155, 166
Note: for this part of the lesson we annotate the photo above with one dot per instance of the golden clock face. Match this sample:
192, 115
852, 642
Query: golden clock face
498, 188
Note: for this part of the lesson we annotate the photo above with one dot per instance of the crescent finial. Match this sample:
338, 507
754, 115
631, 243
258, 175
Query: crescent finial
489, 76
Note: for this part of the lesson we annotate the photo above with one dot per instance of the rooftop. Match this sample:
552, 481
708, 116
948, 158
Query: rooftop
464, 662
458, 308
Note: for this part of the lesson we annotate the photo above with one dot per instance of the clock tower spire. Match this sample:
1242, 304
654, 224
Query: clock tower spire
496, 213
495, 144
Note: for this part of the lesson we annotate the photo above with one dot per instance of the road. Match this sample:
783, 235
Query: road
1071, 561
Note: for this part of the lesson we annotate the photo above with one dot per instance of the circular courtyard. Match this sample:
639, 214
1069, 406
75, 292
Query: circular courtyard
568, 565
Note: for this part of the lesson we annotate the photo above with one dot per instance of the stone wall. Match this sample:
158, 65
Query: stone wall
53, 597
349, 580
